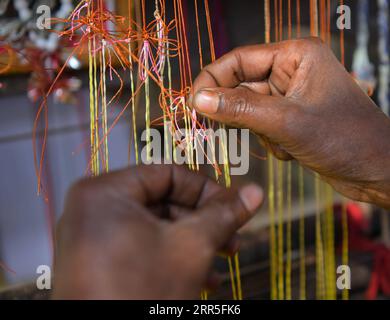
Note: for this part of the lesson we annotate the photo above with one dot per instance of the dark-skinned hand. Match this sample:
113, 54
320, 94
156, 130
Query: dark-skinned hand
147, 232
303, 105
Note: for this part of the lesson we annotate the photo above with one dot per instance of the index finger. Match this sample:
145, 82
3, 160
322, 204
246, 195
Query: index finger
150, 184
244, 64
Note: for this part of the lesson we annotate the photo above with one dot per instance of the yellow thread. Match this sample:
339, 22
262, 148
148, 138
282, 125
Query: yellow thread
289, 235
166, 136
187, 137
344, 253
166, 124
210, 144
96, 109
232, 280
234, 273
280, 230
271, 183
133, 111
104, 105
302, 264
147, 111
324, 233
238, 276
271, 204
91, 108
320, 286
226, 167
330, 262
320, 281
170, 103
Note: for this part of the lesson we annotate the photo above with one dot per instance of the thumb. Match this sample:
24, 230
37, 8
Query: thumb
241, 107
219, 219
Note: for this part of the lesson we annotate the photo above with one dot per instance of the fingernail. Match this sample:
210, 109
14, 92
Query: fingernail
206, 101
251, 196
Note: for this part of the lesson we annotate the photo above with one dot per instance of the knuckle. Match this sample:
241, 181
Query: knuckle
233, 53
236, 53
206, 71
236, 50
309, 45
314, 42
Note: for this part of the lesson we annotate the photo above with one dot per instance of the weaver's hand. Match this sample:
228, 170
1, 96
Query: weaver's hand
303, 104
148, 232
